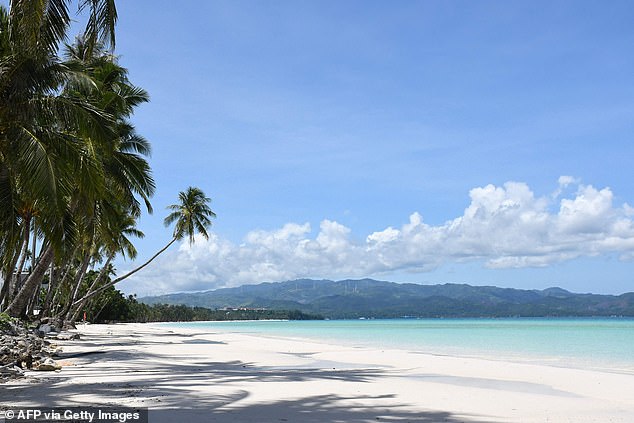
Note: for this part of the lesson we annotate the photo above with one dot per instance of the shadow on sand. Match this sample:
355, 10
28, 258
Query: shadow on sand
313, 409
184, 391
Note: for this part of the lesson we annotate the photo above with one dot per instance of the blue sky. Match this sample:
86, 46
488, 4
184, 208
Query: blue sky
432, 142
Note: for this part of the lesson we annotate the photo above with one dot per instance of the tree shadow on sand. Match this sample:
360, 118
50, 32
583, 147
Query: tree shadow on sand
162, 377
328, 408
170, 391
214, 391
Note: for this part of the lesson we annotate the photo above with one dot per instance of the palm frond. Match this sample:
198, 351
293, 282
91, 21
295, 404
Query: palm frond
101, 21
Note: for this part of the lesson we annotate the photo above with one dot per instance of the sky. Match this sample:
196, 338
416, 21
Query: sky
487, 143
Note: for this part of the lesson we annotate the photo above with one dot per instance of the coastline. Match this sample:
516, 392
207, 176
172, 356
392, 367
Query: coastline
566, 354
228, 377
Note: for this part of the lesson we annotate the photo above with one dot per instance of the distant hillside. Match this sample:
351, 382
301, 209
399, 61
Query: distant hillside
379, 299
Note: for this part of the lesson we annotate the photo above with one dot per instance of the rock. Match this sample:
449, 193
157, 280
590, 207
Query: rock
66, 336
48, 365
23, 347
46, 328
68, 325
10, 372
25, 361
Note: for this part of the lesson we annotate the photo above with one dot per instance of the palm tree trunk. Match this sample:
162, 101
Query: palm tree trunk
52, 287
15, 278
34, 301
3, 293
94, 318
79, 277
33, 256
66, 267
130, 273
8, 280
102, 273
17, 307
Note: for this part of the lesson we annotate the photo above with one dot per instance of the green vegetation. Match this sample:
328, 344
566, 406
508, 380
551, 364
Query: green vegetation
349, 299
113, 306
74, 175
6, 321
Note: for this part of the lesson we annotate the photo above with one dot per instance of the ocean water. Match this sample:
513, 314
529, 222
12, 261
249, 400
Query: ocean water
598, 343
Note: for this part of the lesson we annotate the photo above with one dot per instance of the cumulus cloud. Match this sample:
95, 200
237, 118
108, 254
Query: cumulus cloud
503, 226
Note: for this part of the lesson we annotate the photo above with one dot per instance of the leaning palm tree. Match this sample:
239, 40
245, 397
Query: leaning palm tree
119, 159
42, 129
35, 120
117, 229
192, 216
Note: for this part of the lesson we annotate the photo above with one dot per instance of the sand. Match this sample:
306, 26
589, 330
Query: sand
189, 376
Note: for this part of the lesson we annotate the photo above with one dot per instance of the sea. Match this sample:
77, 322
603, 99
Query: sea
605, 344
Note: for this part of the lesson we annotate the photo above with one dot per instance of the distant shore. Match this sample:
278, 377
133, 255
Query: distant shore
227, 377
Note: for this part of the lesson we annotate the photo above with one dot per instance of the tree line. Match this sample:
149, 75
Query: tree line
74, 172
113, 306
123, 309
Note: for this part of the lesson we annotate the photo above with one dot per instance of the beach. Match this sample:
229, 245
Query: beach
195, 375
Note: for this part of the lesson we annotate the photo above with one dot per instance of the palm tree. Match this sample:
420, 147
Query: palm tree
36, 123
119, 226
192, 216
34, 119
42, 130
120, 159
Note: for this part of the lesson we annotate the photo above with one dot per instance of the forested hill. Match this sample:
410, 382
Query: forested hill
379, 299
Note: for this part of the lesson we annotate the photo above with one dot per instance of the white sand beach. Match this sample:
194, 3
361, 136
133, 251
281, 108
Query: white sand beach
191, 376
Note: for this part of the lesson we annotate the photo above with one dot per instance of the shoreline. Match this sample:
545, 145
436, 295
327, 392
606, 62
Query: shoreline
603, 364
234, 377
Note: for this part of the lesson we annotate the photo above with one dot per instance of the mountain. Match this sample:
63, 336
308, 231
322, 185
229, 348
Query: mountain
380, 299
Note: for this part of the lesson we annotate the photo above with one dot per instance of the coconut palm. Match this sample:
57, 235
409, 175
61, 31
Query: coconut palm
121, 159
35, 121
42, 129
192, 215
115, 233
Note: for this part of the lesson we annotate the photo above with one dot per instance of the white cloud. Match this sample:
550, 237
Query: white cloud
589, 212
503, 226
565, 180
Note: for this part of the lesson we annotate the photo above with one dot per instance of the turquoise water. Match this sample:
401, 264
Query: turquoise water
596, 343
